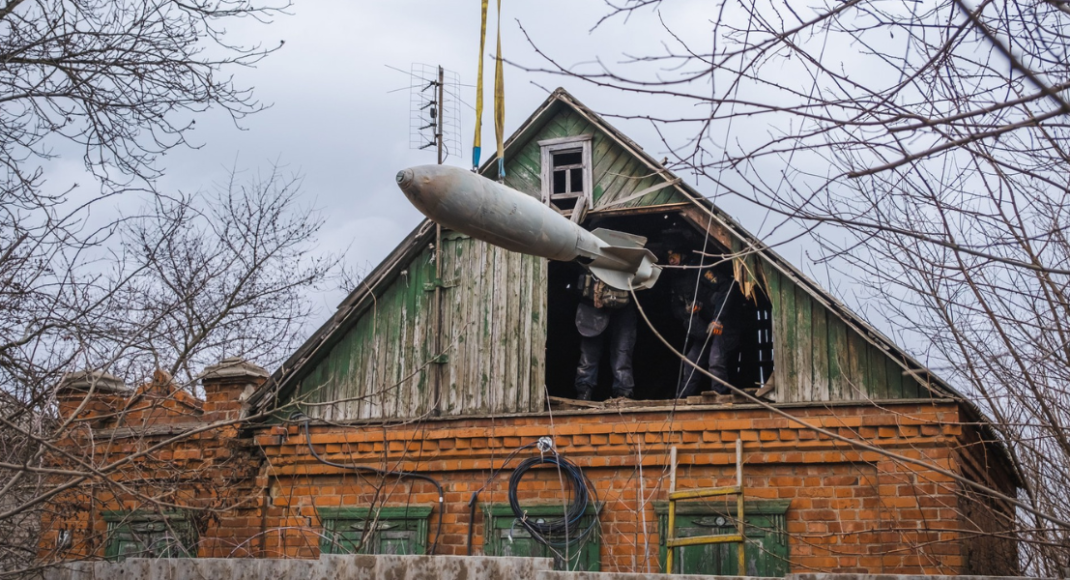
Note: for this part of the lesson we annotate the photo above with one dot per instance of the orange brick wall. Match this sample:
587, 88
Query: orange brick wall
851, 510
163, 449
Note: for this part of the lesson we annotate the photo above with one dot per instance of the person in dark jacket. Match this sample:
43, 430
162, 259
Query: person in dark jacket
708, 302
604, 312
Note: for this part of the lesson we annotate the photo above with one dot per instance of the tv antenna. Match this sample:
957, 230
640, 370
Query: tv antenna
434, 111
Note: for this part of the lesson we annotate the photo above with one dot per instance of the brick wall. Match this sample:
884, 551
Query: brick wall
851, 510
159, 448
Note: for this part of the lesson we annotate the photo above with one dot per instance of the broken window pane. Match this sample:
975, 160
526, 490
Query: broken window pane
569, 158
576, 181
559, 182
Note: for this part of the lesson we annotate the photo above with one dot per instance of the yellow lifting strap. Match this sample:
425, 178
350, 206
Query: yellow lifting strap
499, 99
478, 141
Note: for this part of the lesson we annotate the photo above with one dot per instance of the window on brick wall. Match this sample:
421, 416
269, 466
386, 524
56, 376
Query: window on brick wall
136, 534
504, 536
386, 530
766, 533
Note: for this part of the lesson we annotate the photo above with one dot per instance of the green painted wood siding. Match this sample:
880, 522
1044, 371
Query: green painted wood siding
819, 357
616, 173
494, 319
493, 326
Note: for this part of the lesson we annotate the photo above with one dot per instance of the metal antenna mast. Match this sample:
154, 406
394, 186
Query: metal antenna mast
434, 114
441, 99
434, 121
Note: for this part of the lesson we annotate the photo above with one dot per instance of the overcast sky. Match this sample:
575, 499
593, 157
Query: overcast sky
335, 120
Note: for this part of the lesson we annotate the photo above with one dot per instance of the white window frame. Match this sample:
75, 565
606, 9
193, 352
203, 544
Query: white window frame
549, 147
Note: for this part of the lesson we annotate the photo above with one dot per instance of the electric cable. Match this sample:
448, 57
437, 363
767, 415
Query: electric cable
299, 416
581, 493
475, 494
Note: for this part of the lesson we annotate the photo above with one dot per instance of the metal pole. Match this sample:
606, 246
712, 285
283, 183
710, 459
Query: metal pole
436, 404
672, 510
740, 524
438, 120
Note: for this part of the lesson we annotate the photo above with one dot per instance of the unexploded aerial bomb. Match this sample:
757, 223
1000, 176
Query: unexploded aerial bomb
474, 205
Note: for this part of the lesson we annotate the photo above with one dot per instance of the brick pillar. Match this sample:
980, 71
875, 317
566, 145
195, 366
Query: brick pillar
103, 394
227, 386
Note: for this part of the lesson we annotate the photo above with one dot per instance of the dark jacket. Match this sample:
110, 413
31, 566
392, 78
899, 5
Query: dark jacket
700, 296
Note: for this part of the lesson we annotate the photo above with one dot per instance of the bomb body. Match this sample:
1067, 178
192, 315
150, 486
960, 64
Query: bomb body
483, 209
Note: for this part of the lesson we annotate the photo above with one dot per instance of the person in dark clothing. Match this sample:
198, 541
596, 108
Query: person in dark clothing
602, 312
708, 302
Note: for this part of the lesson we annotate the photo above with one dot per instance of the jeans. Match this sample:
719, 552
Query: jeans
715, 354
621, 334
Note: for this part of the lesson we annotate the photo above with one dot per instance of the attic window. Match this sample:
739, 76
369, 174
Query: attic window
566, 175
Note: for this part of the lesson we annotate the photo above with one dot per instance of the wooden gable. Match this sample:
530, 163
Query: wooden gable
375, 359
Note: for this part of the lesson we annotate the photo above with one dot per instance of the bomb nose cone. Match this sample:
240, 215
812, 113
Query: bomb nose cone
418, 184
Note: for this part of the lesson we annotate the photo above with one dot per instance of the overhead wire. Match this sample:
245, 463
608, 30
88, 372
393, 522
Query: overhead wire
299, 416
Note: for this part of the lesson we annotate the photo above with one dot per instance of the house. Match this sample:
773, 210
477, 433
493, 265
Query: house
397, 426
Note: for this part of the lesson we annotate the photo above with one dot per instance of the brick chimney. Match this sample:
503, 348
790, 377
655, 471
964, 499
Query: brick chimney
227, 386
103, 395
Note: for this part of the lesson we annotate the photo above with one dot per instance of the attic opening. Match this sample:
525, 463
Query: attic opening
656, 370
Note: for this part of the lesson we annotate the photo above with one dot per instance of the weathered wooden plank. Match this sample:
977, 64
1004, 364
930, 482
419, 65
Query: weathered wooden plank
406, 304
787, 383
893, 374
603, 149
576, 124
389, 370
481, 400
912, 388
608, 181
772, 285
858, 362
510, 334
523, 181
633, 177
354, 386
804, 350
529, 158
878, 382
606, 157
465, 278
820, 352
523, 370
498, 351
538, 343
421, 345
839, 360
381, 334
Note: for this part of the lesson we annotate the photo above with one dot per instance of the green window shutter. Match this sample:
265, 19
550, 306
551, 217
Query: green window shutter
766, 531
388, 530
137, 534
504, 536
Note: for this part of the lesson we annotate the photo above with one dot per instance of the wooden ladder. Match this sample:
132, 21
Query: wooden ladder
672, 542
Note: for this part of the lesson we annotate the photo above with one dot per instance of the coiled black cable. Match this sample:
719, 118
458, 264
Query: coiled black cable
475, 494
298, 416
567, 527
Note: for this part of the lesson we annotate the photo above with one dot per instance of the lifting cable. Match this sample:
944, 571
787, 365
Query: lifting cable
477, 141
299, 416
499, 94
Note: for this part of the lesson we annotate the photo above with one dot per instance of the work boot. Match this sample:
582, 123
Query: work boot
584, 394
623, 394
